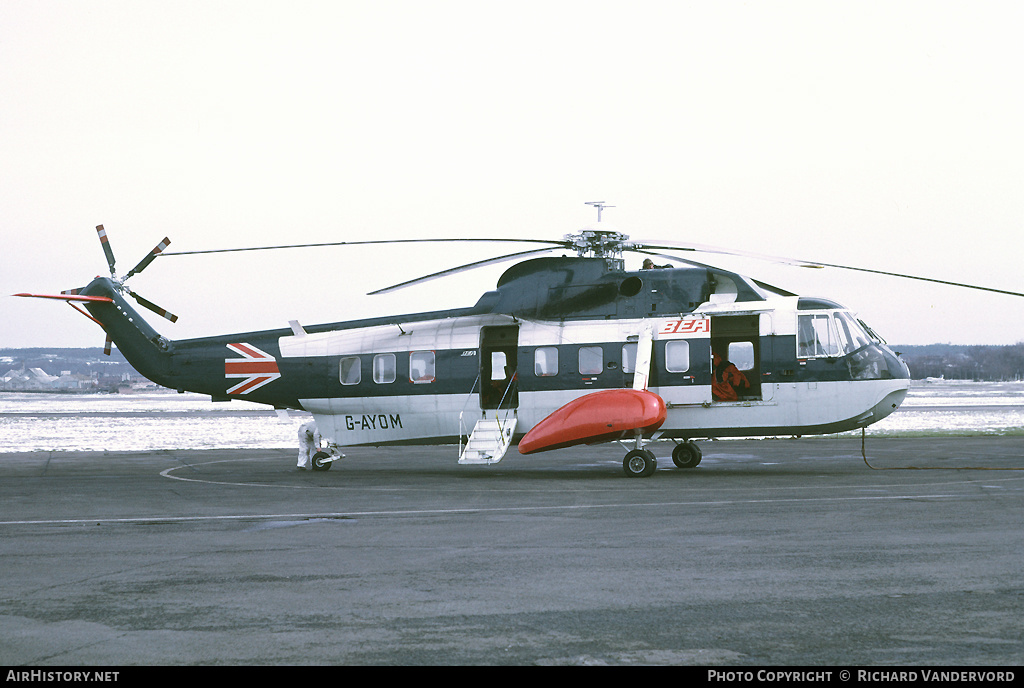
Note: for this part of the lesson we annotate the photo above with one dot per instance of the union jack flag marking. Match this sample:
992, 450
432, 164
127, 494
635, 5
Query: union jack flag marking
256, 368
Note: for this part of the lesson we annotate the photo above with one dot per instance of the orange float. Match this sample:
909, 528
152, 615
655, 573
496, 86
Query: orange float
601, 416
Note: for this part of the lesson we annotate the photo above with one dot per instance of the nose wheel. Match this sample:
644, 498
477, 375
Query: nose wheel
322, 461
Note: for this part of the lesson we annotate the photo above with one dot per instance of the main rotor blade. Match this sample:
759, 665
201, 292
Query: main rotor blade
923, 279
704, 248
149, 258
360, 243
461, 268
105, 243
814, 264
152, 306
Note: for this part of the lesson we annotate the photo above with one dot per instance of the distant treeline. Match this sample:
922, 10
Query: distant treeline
976, 362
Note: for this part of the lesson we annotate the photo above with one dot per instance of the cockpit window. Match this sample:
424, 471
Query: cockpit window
871, 333
829, 335
816, 336
855, 333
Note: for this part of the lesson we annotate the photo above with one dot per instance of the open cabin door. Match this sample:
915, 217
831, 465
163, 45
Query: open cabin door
499, 347
736, 346
681, 368
492, 434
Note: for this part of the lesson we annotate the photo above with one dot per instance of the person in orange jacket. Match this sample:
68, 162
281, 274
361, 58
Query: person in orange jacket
727, 379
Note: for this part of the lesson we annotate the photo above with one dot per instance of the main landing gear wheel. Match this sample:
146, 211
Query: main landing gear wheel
686, 455
639, 463
322, 461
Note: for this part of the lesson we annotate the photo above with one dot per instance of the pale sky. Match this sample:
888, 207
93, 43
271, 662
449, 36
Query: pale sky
885, 135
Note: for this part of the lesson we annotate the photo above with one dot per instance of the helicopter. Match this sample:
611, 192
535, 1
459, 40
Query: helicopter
566, 350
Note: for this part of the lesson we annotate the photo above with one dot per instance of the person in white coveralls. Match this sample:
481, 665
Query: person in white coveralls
309, 444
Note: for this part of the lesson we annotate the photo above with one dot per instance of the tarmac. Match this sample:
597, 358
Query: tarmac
770, 553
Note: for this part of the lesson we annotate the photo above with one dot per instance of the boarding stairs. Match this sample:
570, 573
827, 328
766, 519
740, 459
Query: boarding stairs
489, 441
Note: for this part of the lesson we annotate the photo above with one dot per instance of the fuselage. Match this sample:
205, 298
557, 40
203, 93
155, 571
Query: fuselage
431, 380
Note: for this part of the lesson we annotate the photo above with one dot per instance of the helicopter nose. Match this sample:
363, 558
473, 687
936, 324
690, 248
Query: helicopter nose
889, 403
904, 369
895, 366
898, 368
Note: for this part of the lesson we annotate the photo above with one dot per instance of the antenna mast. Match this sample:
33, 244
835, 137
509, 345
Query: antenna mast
600, 205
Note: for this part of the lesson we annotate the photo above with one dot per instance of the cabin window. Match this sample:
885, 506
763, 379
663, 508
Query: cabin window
591, 360
384, 368
677, 356
350, 371
629, 357
816, 336
421, 367
499, 362
741, 355
545, 361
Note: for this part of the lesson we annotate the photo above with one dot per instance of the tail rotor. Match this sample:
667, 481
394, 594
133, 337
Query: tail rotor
143, 264
74, 297
107, 251
150, 257
146, 303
